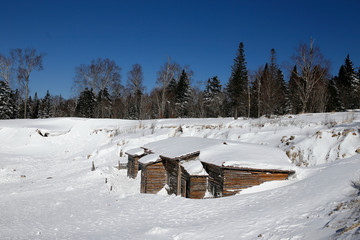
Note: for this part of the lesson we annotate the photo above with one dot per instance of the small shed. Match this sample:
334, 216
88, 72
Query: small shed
133, 161
182, 175
197, 167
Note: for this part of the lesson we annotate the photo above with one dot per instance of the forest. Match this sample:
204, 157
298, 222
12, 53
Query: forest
247, 93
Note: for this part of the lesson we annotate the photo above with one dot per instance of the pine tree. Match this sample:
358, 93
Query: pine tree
237, 86
45, 107
183, 94
86, 104
6, 106
212, 97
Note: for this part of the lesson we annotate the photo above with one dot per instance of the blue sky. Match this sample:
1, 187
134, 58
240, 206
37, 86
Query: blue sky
202, 34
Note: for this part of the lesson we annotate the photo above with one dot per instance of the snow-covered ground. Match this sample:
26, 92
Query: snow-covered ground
48, 191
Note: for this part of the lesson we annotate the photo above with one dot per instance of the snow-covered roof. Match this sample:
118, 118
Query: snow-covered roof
218, 152
194, 167
246, 155
135, 151
149, 158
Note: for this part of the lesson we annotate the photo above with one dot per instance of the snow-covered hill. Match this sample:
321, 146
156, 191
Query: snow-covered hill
48, 190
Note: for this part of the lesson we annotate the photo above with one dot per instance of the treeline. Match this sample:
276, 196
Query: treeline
262, 92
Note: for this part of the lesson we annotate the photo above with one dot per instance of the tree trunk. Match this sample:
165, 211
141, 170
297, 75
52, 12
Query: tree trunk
26, 97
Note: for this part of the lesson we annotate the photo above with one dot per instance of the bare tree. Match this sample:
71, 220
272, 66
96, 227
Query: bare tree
100, 74
26, 61
135, 83
166, 73
6, 68
256, 79
312, 68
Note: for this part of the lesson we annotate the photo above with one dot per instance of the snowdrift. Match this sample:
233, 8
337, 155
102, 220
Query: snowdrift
48, 190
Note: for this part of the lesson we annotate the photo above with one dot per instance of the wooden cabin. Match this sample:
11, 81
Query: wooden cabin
172, 174
133, 165
228, 181
204, 173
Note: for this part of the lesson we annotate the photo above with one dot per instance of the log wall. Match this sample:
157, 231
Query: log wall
198, 187
190, 186
172, 168
133, 165
215, 180
237, 179
153, 178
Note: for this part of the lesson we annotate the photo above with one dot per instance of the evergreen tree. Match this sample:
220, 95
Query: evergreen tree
6, 106
104, 104
171, 89
17, 105
294, 93
212, 97
45, 107
333, 103
237, 86
35, 107
86, 104
282, 103
273, 92
256, 103
348, 83
183, 95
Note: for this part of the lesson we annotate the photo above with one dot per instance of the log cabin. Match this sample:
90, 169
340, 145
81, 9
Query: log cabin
200, 168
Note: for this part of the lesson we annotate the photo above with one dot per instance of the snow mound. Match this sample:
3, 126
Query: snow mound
323, 147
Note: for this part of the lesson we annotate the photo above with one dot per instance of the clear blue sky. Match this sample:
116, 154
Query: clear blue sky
202, 34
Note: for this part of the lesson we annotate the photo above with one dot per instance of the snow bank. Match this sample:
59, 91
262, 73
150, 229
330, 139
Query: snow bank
48, 190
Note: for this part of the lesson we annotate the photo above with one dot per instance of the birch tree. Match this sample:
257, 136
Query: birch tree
312, 69
26, 61
98, 75
6, 68
166, 73
135, 83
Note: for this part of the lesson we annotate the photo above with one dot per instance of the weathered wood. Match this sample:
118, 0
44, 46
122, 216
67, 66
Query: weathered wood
153, 177
178, 190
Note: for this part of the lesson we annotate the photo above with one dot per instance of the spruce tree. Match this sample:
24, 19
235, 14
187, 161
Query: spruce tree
6, 106
273, 92
183, 93
348, 83
104, 104
86, 104
212, 97
237, 85
35, 107
45, 106
333, 103
171, 99
17, 105
294, 93
282, 103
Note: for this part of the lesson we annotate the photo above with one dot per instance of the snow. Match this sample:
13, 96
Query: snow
48, 190
135, 151
220, 152
247, 156
194, 168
